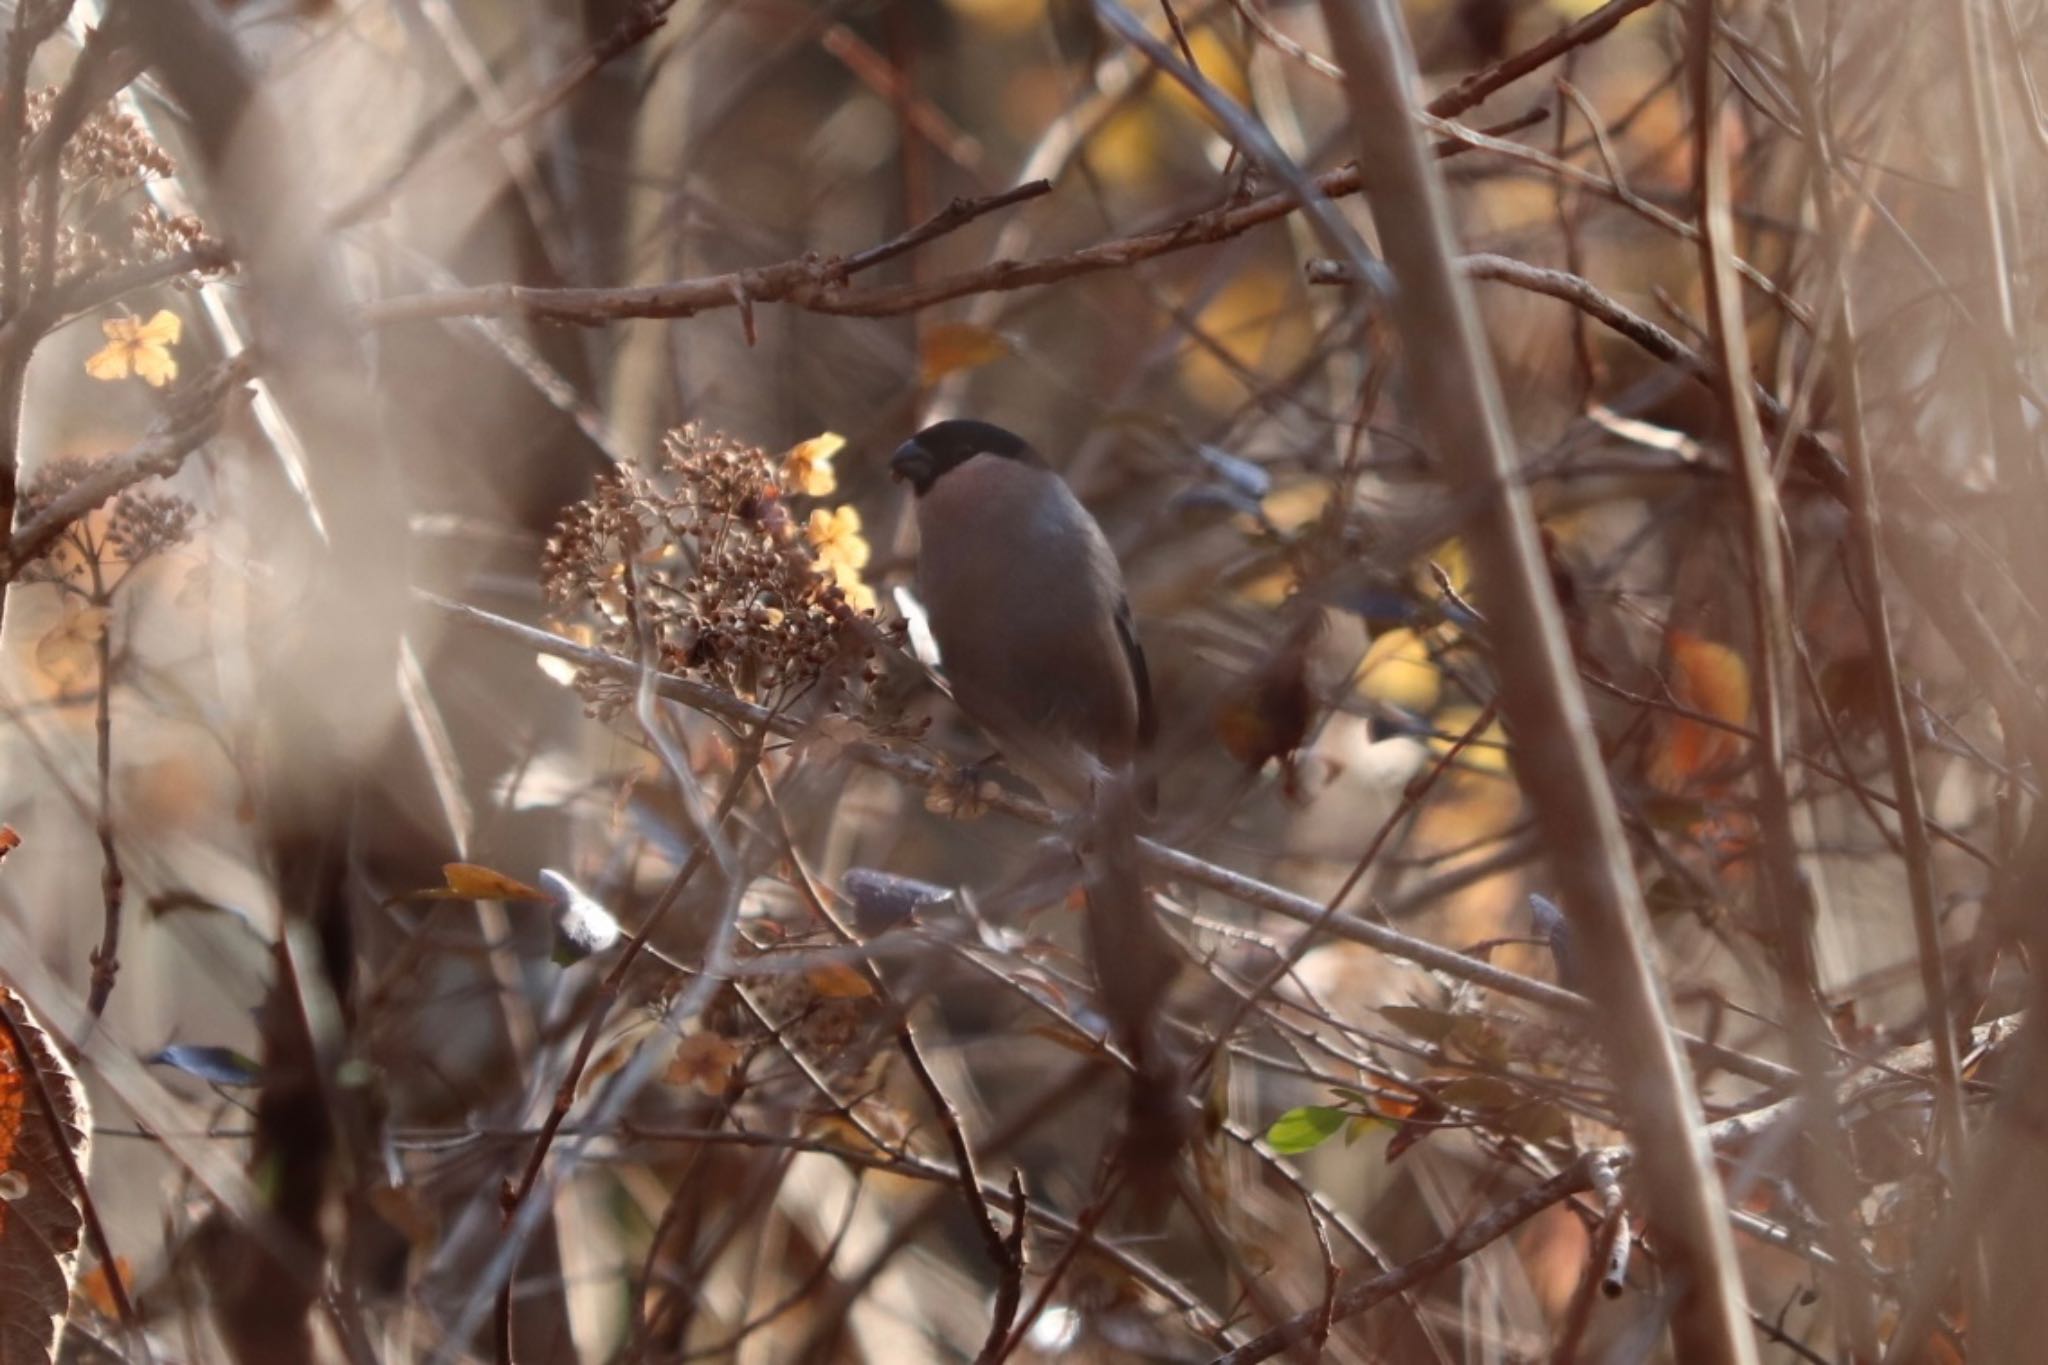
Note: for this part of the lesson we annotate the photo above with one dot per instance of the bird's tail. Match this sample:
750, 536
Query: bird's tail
1135, 964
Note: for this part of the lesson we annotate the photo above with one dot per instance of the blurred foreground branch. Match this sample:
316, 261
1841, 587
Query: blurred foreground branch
1558, 761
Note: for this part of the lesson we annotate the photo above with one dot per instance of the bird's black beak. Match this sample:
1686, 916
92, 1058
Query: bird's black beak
914, 463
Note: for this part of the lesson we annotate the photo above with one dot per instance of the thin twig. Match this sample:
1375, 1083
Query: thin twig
1173, 862
1782, 883
818, 283
608, 994
641, 21
994, 1244
1581, 31
954, 216
195, 420
1475, 1236
106, 959
1865, 533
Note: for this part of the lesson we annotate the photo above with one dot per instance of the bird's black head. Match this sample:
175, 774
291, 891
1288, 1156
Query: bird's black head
946, 445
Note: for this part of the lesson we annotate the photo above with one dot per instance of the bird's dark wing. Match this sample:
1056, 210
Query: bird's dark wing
1141, 676
1148, 715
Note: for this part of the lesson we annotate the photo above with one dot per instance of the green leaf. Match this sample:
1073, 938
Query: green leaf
1299, 1130
1358, 1125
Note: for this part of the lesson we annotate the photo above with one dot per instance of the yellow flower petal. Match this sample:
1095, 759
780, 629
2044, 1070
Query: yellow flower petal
143, 347
109, 363
835, 534
859, 595
808, 466
155, 366
164, 329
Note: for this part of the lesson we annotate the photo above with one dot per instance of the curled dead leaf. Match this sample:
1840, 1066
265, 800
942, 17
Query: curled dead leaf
472, 882
41, 1219
838, 981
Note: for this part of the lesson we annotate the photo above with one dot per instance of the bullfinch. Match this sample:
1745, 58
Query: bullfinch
1026, 604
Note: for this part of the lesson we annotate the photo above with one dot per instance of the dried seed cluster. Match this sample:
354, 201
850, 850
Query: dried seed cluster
702, 561
139, 525
827, 1016
101, 168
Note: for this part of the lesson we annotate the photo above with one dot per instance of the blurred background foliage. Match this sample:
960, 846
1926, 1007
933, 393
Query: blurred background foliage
1244, 432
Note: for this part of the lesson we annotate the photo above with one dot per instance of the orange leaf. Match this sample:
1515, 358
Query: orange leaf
1710, 678
470, 882
952, 346
838, 981
41, 1220
98, 1288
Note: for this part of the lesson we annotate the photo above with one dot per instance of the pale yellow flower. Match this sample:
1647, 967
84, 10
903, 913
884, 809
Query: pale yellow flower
807, 468
859, 595
834, 533
144, 347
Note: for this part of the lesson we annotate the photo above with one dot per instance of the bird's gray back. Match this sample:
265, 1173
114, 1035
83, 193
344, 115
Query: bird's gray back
1022, 591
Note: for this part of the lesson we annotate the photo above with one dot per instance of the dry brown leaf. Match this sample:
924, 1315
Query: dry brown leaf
838, 981
471, 882
41, 1222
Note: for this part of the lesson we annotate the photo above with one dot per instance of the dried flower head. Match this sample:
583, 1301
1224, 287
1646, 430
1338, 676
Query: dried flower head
143, 525
139, 525
702, 561
103, 223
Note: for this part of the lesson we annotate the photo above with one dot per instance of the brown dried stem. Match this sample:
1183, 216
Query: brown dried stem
1475, 1236
1170, 861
